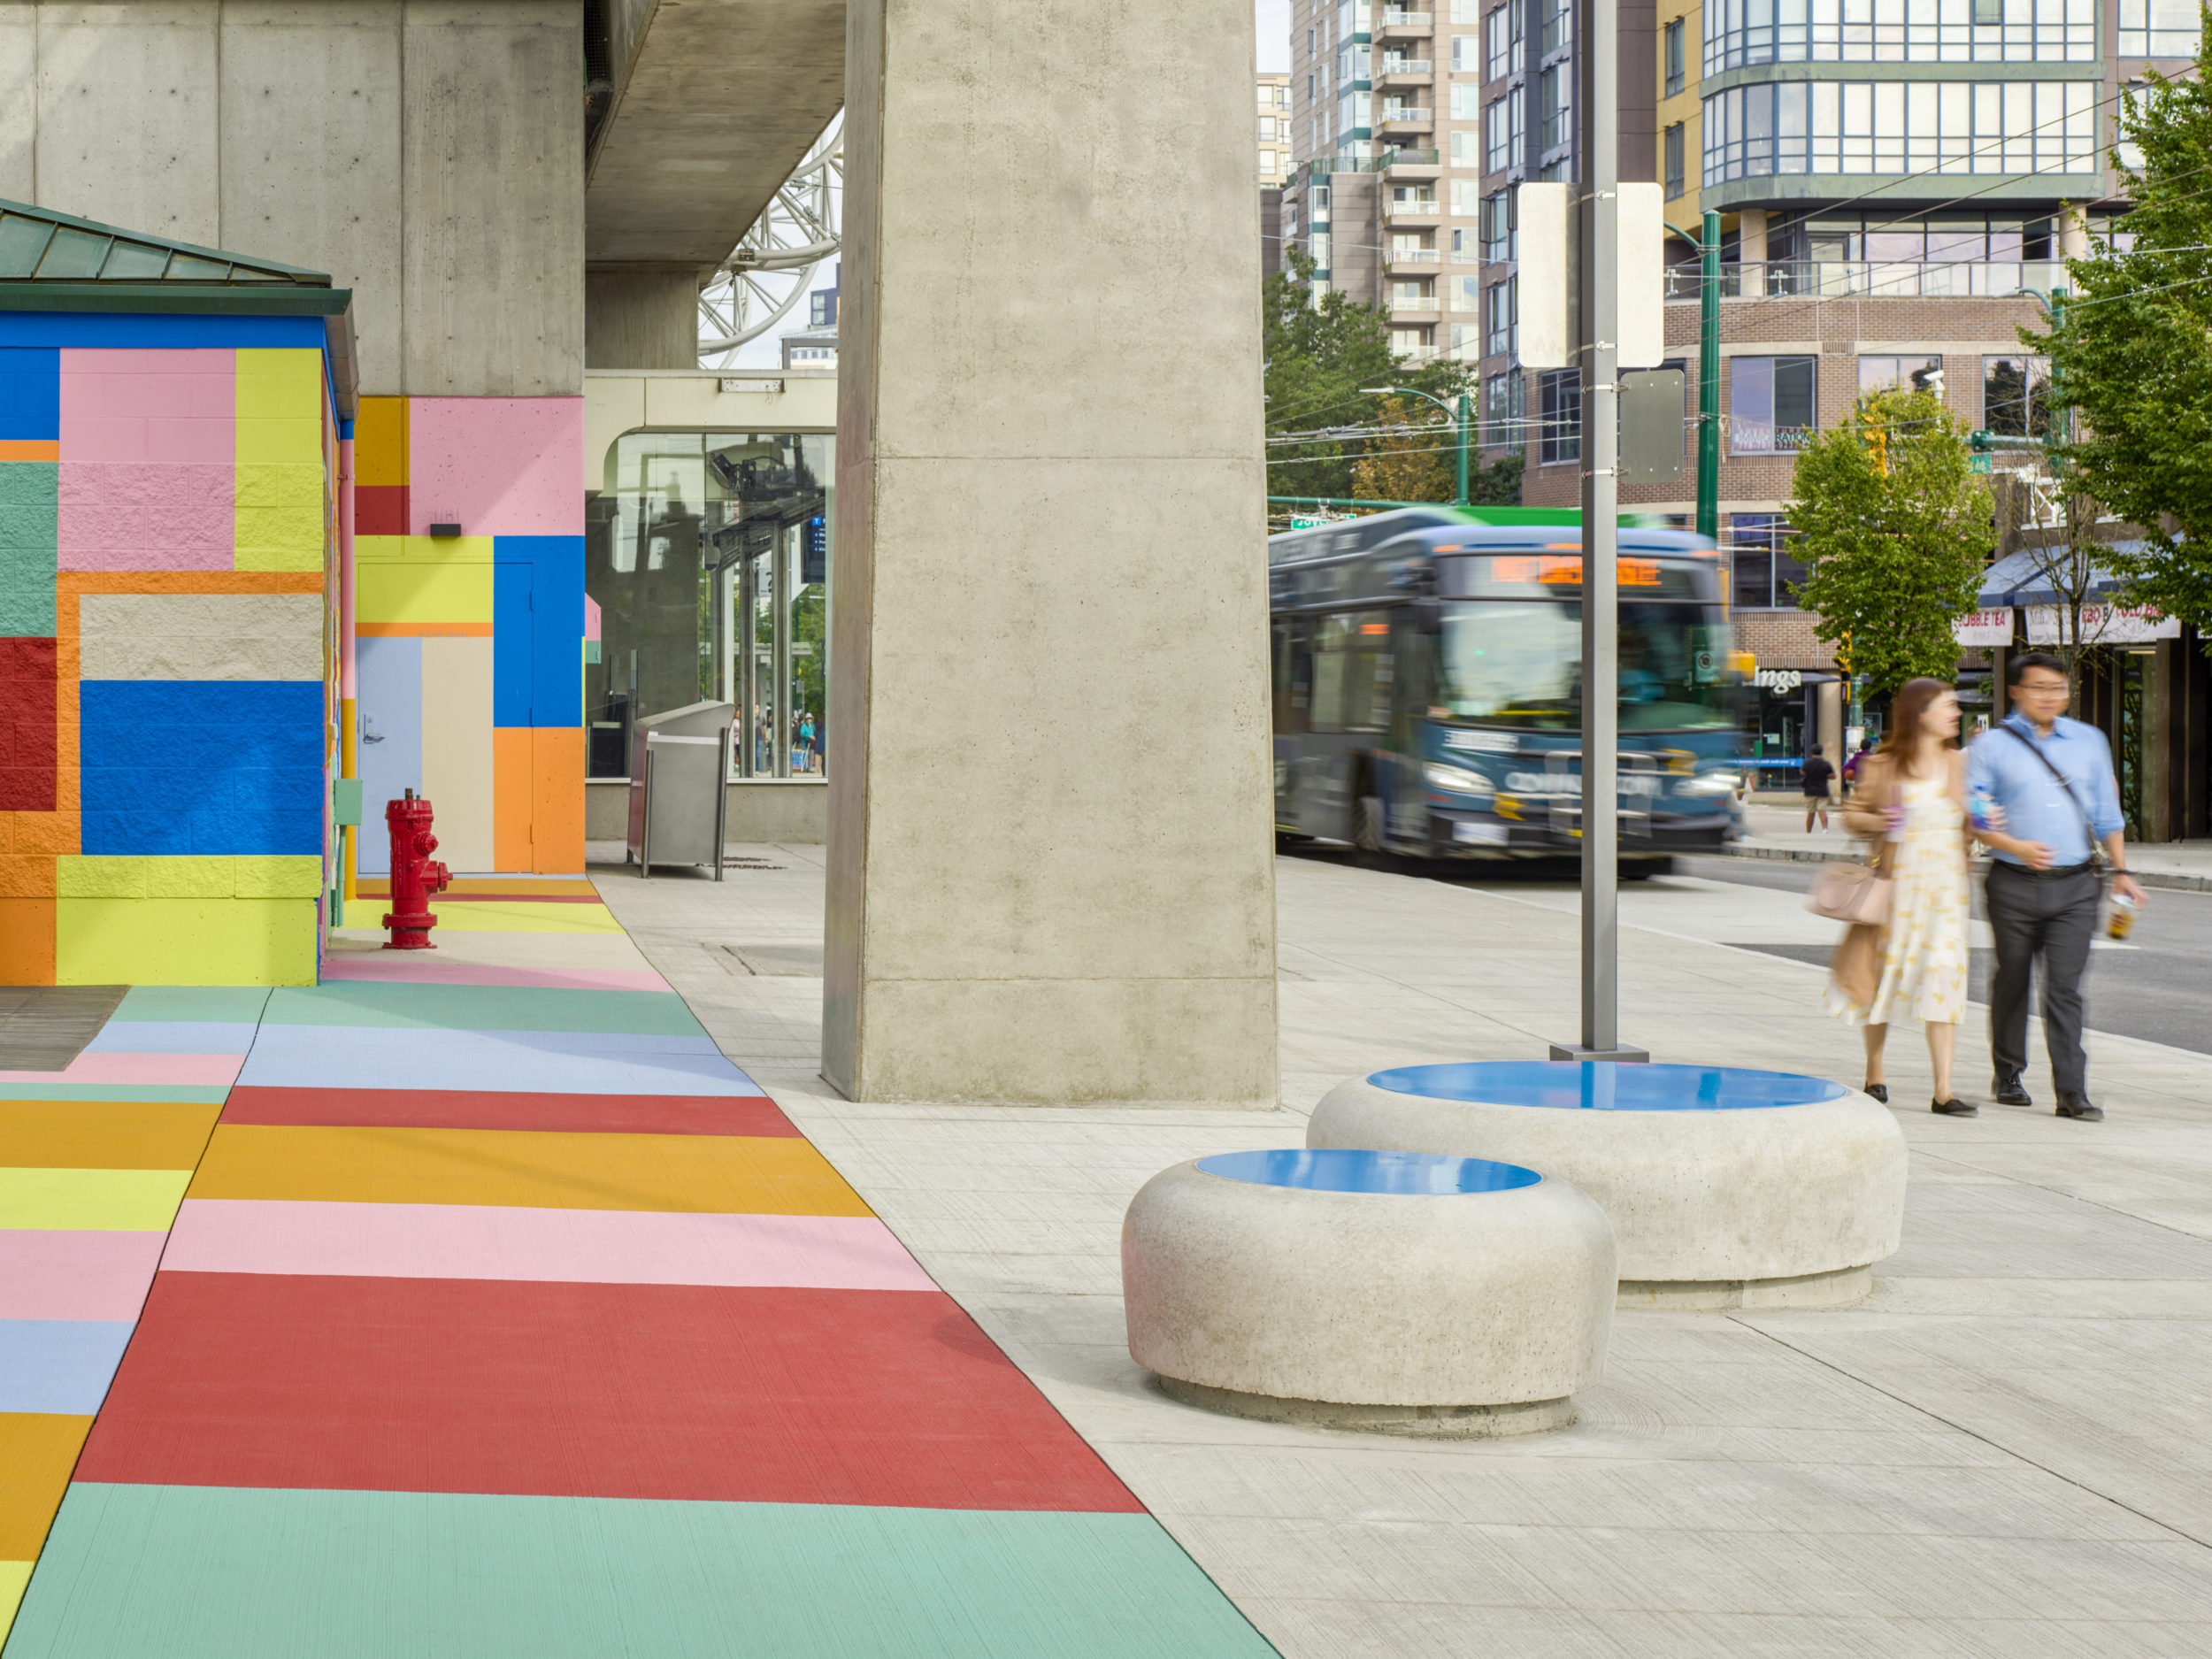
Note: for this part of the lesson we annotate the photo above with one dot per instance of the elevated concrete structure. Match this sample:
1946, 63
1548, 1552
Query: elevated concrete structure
1050, 831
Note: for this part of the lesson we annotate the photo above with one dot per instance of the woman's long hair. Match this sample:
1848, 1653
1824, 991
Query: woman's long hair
1907, 713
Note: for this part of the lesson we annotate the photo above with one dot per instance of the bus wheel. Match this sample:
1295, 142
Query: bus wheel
1367, 826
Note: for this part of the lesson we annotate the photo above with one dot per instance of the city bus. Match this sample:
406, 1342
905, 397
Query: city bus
1428, 688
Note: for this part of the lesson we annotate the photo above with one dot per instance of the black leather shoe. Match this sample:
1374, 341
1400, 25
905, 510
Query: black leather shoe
2010, 1090
2079, 1106
1879, 1091
1955, 1108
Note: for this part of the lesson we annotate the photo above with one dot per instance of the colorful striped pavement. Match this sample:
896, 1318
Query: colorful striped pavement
502, 1316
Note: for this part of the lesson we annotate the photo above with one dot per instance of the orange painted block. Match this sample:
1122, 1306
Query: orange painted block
37, 1451
379, 442
26, 942
557, 758
47, 832
27, 875
511, 795
30, 448
69, 584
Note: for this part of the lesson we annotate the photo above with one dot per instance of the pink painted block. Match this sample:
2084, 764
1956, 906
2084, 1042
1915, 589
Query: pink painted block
146, 516
101, 438
495, 466
96, 360
194, 1071
196, 438
601, 1247
399, 969
76, 1275
591, 618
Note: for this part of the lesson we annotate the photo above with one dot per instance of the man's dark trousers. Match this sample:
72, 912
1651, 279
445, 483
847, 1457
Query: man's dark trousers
2053, 917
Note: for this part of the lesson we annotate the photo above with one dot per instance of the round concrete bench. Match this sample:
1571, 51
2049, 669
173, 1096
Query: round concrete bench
1376, 1290
1725, 1187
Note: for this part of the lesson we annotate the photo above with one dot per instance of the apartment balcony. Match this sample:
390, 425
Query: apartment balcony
1390, 70
1399, 214
1412, 261
1860, 278
1410, 164
1406, 116
1414, 310
1393, 25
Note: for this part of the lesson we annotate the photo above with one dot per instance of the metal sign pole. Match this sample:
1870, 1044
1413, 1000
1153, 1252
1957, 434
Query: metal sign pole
1600, 518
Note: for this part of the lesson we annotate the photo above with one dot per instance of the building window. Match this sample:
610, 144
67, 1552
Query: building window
1676, 68
1555, 89
1502, 133
1501, 39
1466, 54
1466, 148
1900, 127
1504, 406
1742, 34
1267, 164
1466, 199
1412, 343
1677, 159
1501, 316
1559, 29
1267, 128
1466, 101
1912, 374
2158, 28
1558, 416
1762, 575
1501, 225
1467, 295
2017, 396
1769, 404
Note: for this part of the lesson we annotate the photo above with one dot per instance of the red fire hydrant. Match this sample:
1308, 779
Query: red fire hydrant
416, 875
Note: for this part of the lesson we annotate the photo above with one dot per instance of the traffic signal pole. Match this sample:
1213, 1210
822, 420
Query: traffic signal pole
1709, 378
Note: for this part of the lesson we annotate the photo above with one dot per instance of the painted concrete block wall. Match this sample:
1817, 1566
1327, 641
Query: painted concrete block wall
470, 645
167, 511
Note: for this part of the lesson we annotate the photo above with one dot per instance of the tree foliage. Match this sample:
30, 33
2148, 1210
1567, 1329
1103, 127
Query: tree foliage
1894, 529
1319, 359
1419, 464
2132, 355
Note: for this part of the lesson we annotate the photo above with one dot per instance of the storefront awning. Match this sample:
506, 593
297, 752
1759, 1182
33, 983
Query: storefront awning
2024, 577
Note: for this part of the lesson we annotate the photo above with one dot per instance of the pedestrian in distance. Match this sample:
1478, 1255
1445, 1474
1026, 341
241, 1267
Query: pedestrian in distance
1852, 761
1820, 782
1911, 803
2046, 787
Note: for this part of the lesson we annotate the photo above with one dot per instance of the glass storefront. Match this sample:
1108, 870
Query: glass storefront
708, 557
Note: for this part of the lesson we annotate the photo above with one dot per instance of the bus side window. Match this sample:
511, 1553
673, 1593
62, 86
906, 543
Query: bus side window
1416, 684
1289, 706
1367, 673
1331, 653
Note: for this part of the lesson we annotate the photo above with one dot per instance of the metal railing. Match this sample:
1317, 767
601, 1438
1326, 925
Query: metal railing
1391, 158
1398, 212
1406, 114
1389, 19
1402, 67
1428, 307
1841, 279
1414, 255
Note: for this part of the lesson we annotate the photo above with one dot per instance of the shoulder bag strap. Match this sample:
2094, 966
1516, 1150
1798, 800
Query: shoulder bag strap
2088, 824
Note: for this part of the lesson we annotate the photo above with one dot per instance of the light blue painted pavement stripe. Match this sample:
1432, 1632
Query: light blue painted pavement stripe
552, 1062
202, 1572
62, 1365
166, 1036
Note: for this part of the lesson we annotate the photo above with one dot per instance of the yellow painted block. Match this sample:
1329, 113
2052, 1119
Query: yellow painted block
489, 916
91, 1201
280, 484
379, 442
15, 1578
277, 876
278, 384
175, 876
184, 941
387, 593
278, 538
422, 549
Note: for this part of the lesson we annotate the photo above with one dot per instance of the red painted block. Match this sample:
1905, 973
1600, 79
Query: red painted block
497, 1108
29, 732
709, 1393
379, 509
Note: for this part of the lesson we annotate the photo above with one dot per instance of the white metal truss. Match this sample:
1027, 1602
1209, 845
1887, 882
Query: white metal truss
772, 268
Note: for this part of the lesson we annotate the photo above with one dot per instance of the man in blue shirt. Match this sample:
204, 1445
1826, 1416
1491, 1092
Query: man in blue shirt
2051, 782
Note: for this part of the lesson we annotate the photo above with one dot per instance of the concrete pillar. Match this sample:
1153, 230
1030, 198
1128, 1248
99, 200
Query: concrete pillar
641, 319
1050, 852
1751, 236
2073, 232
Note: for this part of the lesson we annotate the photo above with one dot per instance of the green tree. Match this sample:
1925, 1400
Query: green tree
1418, 464
1319, 359
2132, 357
1894, 528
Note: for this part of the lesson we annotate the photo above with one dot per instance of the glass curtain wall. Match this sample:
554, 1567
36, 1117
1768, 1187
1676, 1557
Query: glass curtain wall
708, 559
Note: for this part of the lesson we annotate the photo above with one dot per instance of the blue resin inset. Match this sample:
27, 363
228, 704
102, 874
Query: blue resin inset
1605, 1085
1337, 1170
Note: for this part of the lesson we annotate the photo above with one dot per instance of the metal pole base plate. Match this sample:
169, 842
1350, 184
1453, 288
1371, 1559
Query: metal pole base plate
1576, 1051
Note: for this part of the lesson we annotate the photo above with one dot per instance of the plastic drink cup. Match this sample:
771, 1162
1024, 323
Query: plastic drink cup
1981, 807
2120, 920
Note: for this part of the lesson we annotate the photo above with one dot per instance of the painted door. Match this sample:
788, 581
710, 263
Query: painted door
389, 674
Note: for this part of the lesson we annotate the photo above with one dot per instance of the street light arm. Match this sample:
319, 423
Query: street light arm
1409, 391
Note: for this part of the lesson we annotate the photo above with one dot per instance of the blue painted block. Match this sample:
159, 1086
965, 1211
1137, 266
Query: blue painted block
556, 611
30, 393
59, 1366
514, 648
154, 330
389, 674
211, 767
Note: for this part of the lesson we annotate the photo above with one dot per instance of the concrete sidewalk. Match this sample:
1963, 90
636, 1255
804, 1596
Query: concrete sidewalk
1999, 1455
1774, 829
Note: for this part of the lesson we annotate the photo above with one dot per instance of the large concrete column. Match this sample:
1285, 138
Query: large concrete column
641, 319
1050, 789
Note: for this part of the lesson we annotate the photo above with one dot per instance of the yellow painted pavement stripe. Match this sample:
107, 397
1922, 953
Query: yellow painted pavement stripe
92, 1200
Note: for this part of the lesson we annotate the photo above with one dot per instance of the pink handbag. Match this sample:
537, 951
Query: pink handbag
1853, 893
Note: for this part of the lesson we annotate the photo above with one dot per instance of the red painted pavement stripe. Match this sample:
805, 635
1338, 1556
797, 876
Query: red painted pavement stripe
889, 1398
495, 1109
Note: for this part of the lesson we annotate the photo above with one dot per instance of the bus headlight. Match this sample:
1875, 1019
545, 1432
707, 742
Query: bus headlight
1456, 780
1711, 783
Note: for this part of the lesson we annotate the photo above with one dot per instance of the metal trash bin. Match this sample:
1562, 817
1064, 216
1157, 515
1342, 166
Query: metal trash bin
679, 771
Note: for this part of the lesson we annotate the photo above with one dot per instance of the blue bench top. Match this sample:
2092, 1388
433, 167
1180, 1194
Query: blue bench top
1604, 1085
1341, 1169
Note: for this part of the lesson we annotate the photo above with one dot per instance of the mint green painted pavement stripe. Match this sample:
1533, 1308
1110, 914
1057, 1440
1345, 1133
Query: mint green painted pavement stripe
175, 1093
481, 1008
224, 1004
210, 1572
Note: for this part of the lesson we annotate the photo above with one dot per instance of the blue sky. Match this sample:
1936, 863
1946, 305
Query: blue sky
1273, 17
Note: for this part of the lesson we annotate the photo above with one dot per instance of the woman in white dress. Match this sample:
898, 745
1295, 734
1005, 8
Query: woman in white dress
1911, 799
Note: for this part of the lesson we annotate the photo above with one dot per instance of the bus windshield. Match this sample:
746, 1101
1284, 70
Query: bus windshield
1518, 662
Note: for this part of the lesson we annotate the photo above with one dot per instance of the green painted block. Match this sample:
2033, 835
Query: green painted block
219, 1004
29, 529
481, 1008
345, 800
181, 1094
204, 1572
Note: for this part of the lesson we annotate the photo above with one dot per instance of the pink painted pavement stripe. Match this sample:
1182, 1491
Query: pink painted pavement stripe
604, 1246
75, 1275
197, 1071
395, 969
